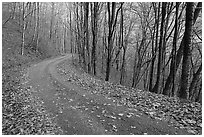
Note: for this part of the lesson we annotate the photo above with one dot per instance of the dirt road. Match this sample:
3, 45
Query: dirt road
77, 111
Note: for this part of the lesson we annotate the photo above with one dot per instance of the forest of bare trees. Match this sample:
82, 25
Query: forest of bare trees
153, 46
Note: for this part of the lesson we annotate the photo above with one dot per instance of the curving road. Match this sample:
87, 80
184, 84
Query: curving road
77, 111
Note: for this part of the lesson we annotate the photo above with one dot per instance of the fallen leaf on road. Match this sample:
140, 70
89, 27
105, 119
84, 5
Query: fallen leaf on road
121, 114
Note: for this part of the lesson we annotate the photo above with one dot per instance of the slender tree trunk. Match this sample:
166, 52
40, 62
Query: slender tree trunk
52, 20
94, 20
38, 25
167, 89
158, 84
78, 39
174, 52
168, 8
186, 64
23, 29
111, 17
83, 40
64, 43
122, 76
70, 32
157, 14
86, 34
108, 60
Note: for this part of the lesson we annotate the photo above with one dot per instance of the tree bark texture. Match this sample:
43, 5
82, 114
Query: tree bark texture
186, 64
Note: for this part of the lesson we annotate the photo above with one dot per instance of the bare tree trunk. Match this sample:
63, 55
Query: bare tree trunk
86, 34
104, 43
167, 89
168, 11
52, 20
23, 29
79, 36
94, 21
110, 23
37, 24
83, 39
112, 18
157, 13
186, 64
157, 86
122, 75
64, 43
71, 37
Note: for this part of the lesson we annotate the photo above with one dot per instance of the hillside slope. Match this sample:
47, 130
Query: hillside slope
177, 113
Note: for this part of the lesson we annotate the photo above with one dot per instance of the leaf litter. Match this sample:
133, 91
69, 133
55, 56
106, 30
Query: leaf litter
23, 113
186, 115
